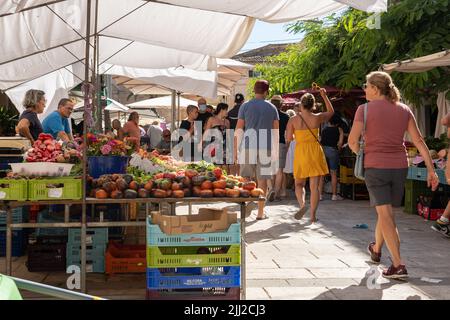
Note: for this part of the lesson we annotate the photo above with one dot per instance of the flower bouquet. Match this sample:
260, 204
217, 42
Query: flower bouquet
107, 155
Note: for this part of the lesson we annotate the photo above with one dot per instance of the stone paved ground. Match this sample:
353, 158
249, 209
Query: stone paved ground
287, 259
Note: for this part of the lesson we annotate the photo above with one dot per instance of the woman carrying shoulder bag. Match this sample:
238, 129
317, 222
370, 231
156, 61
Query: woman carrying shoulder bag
309, 158
385, 161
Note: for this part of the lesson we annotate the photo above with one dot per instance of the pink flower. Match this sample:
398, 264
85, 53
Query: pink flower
106, 149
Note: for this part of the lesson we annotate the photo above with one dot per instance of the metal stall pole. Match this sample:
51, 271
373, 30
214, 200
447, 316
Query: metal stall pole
8, 240
174, 115
243, 264
86, 100
179, 114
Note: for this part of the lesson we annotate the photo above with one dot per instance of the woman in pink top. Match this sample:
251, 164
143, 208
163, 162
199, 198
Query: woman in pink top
131, 128
385, 161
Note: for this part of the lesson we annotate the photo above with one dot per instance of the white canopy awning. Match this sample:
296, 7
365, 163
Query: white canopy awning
420, 64
203, 83
46, 37
164, 102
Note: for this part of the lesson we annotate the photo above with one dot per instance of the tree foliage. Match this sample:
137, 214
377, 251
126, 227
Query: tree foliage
340, 49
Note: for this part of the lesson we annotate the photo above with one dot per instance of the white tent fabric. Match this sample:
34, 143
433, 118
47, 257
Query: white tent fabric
267, 10
144, 81
443, 109
419, 114
160, 102
421, 64
113, 105
181, 79
54, 85
40, 40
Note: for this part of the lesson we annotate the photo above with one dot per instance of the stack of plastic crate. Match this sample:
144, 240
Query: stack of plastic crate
19, 236
193, 266
96, 242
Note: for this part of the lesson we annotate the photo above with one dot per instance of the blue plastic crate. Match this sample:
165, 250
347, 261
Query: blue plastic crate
93, 252
18, 243
93, 236
18, 216
186, 278
155, 237
416, 173
441, 175
46, 217
96, 266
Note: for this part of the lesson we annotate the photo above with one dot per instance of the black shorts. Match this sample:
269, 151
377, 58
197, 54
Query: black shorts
386, 186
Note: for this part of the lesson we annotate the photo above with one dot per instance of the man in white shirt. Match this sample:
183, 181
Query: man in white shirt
155, 134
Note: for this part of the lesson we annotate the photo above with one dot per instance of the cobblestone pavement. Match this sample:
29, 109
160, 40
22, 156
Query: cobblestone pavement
288, 259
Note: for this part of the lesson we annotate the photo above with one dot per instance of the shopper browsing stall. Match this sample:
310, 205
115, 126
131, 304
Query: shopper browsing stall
332, 139
442, 225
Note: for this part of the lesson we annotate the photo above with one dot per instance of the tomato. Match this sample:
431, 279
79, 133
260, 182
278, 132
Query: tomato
206, 185
249, 185
217, 172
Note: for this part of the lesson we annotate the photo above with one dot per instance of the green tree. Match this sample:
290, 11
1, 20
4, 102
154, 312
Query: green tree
340, 49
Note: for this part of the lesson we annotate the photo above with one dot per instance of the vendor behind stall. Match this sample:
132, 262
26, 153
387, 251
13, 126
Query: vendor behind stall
29, 125
57, 122
132, 129
163, 146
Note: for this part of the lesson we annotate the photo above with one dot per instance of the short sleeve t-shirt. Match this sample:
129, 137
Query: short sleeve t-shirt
55, 123
386, 125
233, 116
284, 119
258, 115
35, 125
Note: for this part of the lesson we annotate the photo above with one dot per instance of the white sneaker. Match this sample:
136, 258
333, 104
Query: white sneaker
336, 197
320, 198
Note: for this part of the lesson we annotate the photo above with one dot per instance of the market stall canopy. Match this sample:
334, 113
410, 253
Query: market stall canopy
202, 83
111, 105
179, 79
164, 102
420, 64
423, 64
42, 37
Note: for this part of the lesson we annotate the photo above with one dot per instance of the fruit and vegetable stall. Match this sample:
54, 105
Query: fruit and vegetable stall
44, 194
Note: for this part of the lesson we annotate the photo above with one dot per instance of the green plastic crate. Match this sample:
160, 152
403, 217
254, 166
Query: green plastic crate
162, 257
13, 189
55, 189
414, 189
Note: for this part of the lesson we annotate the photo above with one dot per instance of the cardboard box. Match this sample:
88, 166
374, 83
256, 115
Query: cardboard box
207, 220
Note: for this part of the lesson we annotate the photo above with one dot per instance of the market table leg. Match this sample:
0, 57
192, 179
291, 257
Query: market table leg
83, 253
66, 212
8, 241
243, 273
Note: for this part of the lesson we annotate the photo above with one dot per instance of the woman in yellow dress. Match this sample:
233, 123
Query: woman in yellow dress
309, 158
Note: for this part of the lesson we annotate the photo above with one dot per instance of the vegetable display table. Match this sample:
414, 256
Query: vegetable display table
8, 205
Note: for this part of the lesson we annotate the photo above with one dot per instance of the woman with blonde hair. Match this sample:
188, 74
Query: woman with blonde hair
309, 158
385, 160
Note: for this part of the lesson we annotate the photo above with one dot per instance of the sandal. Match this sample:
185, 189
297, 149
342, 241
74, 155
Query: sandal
262, 218
300, 213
